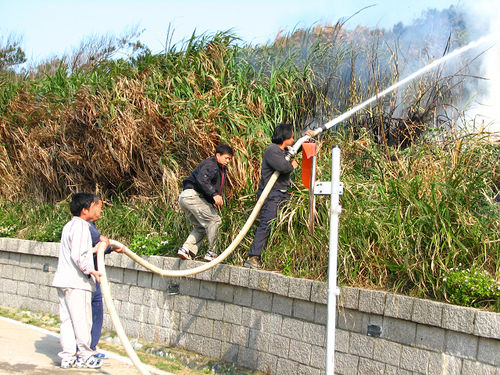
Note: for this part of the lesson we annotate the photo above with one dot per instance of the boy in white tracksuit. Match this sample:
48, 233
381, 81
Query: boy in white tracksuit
75, 280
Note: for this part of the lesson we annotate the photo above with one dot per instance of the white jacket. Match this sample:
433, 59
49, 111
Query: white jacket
75, 257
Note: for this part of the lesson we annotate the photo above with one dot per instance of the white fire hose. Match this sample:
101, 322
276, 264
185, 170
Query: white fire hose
177, 273
112, 311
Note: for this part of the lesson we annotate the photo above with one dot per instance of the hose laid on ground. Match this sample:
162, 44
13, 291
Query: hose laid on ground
112, 311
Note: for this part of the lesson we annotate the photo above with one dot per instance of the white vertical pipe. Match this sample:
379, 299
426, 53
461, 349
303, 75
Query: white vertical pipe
333, 292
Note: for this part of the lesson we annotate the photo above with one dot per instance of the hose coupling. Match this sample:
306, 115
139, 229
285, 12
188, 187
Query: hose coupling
290, 152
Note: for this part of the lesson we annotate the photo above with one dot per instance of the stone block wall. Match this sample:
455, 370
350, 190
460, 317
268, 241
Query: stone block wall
268, 321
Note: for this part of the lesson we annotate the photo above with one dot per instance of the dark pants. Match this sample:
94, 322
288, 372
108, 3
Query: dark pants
268, 213
97, 316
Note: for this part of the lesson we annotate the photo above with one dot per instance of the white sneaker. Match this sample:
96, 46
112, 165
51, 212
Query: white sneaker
68, 363
210, 255
184, 253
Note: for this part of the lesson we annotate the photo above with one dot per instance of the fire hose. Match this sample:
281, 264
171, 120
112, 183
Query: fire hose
244, 230
106, 292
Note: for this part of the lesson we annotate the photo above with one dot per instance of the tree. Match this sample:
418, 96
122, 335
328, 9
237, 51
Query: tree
95, 49
11, 54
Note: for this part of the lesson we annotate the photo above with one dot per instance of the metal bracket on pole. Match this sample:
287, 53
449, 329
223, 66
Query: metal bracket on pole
325, 188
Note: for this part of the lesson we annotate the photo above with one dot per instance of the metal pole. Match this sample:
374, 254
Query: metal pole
333, 291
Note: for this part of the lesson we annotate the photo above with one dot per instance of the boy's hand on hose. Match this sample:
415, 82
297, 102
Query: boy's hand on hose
119, 249
310, 132
97, 275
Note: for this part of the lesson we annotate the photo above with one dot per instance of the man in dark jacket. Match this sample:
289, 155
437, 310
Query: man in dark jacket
202, 191
273, 160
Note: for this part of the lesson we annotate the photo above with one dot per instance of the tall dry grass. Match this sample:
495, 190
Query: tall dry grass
135, 127
125, 131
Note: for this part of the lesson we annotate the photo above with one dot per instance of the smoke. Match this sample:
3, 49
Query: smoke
479, 103
427, 39
484, 18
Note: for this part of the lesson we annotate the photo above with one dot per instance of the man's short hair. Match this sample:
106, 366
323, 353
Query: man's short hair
79, 201
282, 132
224, 149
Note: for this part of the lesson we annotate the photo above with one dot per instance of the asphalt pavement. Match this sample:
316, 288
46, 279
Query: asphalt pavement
26, 349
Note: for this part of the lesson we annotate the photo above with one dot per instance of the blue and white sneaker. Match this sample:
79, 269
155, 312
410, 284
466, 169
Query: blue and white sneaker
91, 362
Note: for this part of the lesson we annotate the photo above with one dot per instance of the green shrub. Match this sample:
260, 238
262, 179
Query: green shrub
472, 287
150, 244
9, 220
8, 230
46, 221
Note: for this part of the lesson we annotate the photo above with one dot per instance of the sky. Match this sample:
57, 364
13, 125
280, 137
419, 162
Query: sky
55, 27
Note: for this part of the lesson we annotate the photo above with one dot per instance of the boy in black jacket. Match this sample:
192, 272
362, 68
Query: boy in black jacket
202, 191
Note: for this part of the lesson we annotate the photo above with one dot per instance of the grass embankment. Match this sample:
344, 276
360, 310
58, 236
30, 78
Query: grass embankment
419, 215
423, 223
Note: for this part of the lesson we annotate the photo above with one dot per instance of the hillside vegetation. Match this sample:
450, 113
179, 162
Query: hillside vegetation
419, 212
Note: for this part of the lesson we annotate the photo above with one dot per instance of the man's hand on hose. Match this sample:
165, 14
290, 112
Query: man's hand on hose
218, 200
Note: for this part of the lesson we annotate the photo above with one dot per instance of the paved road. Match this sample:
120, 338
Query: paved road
26, 349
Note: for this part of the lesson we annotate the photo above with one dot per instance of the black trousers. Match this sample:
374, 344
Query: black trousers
268, 212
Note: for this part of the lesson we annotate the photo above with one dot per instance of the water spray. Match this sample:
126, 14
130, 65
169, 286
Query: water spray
425, 69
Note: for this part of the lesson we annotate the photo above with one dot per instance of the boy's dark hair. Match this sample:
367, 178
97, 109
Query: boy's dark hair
224, 149
282, 132
80, 201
